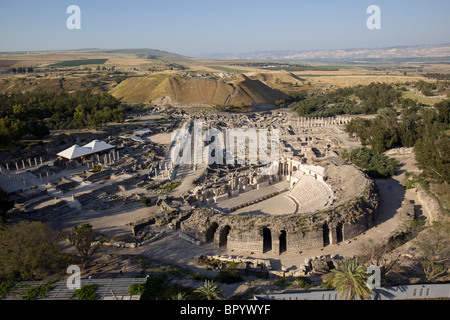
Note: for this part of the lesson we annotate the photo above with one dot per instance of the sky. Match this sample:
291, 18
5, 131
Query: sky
196, 27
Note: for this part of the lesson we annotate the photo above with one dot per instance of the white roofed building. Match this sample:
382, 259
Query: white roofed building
98, 146
74, 152
80, 153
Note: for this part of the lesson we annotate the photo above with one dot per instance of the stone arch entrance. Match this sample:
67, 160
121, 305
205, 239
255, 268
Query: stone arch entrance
223, 237
326, 234
282, 241
209, 237
267, 240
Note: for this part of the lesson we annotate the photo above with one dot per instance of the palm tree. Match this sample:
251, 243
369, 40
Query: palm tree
209, 290
350, 280
179, 296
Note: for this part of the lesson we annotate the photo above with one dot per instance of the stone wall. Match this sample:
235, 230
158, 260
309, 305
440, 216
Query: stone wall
291, 233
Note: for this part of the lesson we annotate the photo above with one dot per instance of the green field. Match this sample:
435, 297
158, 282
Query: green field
227, 69
76, 63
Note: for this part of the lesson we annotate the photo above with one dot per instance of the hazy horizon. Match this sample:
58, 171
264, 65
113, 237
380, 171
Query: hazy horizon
201, 27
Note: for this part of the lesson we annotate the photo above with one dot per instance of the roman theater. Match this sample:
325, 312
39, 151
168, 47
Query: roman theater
311, 201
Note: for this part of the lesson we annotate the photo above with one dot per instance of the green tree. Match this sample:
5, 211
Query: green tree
432, 149
443, 109
350, 280
376, 165
408, 129
384, 133
79, 117
11, 130
29, 251
83, 237
360, 127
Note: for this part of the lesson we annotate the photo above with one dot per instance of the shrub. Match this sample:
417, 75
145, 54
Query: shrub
146, 202
136, 288
32, 293
229, 275
86, 292
5, 288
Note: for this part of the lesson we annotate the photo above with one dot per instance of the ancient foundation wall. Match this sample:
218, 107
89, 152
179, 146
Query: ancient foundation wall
290, 233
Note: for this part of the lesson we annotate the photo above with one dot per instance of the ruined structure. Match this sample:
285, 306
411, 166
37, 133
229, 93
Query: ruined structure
335, 203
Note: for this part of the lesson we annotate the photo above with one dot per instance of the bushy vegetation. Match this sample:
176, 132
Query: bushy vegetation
425, 129
29, 251
83, 238
168, 187
229, 275
352, 100
31, 293
432, 148
36, 113
381, 133
86, 292
376, 165
157, 287
432, 88
146, 201
136, 289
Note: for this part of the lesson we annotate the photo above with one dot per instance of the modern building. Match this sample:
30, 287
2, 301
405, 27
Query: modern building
81, 153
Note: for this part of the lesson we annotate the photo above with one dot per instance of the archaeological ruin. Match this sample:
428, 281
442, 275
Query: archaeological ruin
305, 198
312, 199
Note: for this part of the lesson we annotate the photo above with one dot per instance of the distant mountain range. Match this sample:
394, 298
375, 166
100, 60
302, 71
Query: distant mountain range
417, 52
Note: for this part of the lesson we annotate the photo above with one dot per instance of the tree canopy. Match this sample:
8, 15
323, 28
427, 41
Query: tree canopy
376, 165
351, 100
37, 112
29, 251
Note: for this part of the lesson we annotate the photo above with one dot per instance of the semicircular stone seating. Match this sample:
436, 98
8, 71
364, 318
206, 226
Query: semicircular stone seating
311, 194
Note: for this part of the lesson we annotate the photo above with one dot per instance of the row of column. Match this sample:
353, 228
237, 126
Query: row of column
21, 165
321, 121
